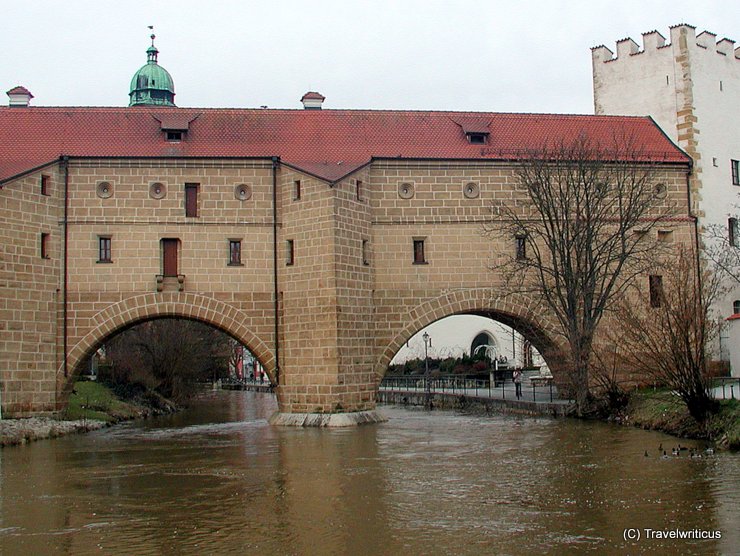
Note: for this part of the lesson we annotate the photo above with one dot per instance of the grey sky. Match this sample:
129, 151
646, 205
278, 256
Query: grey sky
407, 54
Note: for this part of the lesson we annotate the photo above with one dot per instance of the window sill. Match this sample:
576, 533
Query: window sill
422, 262
235, 264
104, 262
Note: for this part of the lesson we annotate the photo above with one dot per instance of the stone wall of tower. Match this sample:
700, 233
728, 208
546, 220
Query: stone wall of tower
354, 254
30, 286
310, 356
690, 85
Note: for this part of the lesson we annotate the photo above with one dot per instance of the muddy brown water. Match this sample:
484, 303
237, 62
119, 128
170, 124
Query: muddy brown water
217, 479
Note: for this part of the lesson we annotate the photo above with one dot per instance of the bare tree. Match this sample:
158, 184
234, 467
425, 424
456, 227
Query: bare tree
579, 225
665, 334
169, 355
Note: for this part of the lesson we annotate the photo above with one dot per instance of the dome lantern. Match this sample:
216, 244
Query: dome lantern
152, 84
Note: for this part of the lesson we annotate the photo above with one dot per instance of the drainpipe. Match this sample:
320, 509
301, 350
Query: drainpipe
275, 293
65, 165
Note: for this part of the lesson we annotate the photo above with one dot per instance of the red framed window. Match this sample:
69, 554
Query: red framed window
45, 181
191, 200
170, 247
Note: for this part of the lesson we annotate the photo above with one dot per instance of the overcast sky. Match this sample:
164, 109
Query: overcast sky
405, 54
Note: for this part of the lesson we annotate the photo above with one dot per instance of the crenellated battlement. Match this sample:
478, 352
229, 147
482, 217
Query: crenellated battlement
654, 41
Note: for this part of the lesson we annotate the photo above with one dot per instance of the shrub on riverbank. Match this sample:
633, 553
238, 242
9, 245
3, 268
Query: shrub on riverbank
663, 410
96, 401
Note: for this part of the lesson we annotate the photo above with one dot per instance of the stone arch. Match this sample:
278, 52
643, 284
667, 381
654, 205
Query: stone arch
139, 308
517, 311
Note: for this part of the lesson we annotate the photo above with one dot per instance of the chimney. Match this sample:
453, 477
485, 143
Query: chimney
19, 96
312, 100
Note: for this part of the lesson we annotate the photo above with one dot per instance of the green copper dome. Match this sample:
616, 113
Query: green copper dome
152, 84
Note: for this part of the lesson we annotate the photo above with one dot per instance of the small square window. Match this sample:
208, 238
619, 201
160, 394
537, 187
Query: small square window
45, 181
104, 249
289, 252
419, 255
45, 246
297, 190
735, 166
174, 135
521, 247
665, 236
656, 290
235, 252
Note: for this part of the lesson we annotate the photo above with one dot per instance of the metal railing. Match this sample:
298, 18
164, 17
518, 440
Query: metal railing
725, 388
545, 392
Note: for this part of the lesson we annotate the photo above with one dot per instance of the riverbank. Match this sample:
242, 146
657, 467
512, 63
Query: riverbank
92, 406
663, 411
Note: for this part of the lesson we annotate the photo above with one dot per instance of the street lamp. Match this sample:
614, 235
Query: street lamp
427, 384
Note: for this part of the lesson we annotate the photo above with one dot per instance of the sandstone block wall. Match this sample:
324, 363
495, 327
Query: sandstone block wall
352, 295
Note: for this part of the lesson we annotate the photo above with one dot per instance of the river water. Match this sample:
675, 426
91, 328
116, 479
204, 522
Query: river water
217, 479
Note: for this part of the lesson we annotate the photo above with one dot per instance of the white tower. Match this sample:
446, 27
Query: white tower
691, 88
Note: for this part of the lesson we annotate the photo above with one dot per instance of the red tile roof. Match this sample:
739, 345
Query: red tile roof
329, 144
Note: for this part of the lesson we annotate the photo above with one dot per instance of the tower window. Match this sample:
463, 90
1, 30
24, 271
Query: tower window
297, 190
365, 252
358, 190
656, 290
665, 236
419, 255
235, 252
45, 180
521, 247
735, 165
289, 252
45, 246
104, 249
732, 232
191, 200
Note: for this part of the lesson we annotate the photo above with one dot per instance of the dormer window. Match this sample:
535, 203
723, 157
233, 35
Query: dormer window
175, 126
476, 138
476, 130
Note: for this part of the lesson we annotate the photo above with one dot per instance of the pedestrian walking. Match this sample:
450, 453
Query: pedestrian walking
517, 376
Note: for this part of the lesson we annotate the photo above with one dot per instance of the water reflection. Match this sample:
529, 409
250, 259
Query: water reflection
218, 479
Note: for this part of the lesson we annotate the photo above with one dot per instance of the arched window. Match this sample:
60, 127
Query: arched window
482, 339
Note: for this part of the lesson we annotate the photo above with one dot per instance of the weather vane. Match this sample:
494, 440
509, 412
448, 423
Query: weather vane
152, 35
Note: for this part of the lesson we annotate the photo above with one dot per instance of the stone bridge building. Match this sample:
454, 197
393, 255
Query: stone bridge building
320, 239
